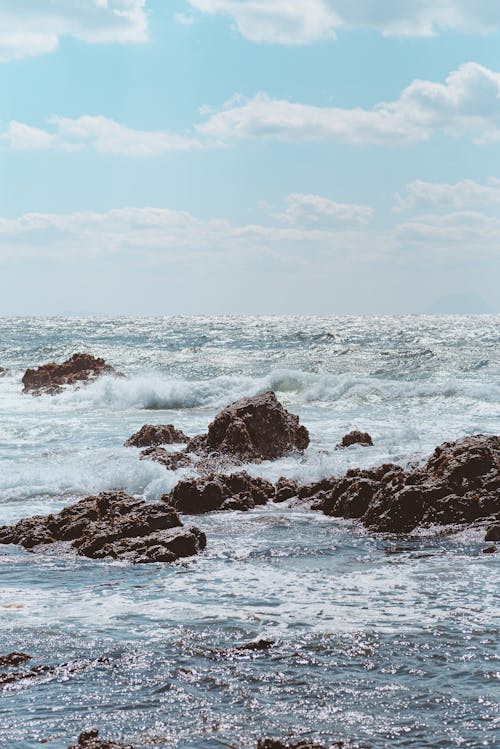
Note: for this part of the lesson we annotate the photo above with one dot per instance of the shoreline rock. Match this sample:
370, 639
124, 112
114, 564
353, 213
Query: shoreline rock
111, 526
238, 491
355, 438
52, 378
151, 435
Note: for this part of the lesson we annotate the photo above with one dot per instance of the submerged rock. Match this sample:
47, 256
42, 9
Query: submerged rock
4, 372
13, 659
111, 525
257, 428
51, 378
171, 461
355, 438
90, 740
460, 483
151, 435
239, 491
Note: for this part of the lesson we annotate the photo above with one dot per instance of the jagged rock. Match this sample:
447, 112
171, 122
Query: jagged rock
285, 489
171, 461
90, 740
219, 492
51, 378
111, 525
460, 483
151, 435
13, 659
493, 533
355, 438
257, 428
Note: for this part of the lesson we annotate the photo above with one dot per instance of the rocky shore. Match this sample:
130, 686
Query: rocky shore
52, 378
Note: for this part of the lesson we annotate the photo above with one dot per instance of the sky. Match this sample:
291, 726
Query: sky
249, 156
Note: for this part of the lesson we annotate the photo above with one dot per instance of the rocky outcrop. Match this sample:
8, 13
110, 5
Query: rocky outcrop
90, 740
13, 659
171, 461
52, 378
112, 526
219, 492
355, 438
151, 435
257, 428
460, 483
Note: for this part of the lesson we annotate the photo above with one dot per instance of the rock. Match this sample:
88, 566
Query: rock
111, 525
90, 740
4, 372
285, 489
355, 438
460, 483
490, 550
171, 461
257, 428
237, 491
151, 435
257, 645
51, 378
493, 533
13, 659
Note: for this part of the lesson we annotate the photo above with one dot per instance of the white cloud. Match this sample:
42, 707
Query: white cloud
320, 211
33, 27
460, 233
467, 103
95, 132
304, 21
464, 194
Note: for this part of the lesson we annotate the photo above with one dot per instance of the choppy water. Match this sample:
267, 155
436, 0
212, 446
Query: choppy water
379, 642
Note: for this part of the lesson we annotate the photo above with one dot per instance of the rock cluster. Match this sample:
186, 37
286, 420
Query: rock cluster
151, 435
355, 438
460, 483
219, 492
51, 378
110, 525
90, 740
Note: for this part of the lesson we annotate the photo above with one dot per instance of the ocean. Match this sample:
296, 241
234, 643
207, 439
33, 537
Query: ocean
379, 641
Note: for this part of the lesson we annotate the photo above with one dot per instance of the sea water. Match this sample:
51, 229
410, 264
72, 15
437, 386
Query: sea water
379, 641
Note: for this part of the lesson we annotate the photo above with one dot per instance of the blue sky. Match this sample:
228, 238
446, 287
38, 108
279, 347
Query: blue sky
242, 156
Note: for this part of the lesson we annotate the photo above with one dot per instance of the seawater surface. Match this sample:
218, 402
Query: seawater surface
379, 641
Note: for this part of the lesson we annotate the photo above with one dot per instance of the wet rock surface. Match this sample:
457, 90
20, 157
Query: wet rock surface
460, 483
52, 378
90, 740
151, 435
257, 428
171, 461
238, 491
111, 525
355, 438
13, 659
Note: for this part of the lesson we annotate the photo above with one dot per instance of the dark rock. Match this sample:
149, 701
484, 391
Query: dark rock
458, 484
285, 489
111, 525
257, 428
257, 645
493, 533
13, 659
171, 461
51, 378
90, 740
355, 438
490, 550
274, 744
238, 491
151, 435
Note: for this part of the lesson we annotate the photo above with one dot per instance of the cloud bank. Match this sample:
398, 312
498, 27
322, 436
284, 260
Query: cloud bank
305, 21
34, 27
